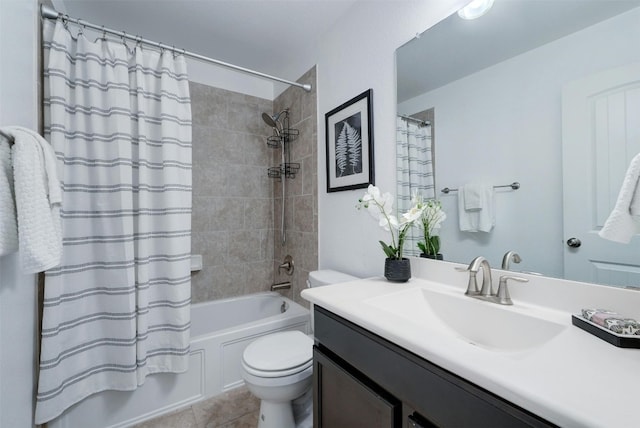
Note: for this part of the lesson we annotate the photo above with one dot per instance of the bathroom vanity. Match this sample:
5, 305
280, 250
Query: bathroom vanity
356, 369
422, 354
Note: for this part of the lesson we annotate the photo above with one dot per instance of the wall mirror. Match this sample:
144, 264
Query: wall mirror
543, 93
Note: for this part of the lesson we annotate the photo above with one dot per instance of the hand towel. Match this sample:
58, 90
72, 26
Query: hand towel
477, 220
624, 220
473, 196
38, 200
8, 219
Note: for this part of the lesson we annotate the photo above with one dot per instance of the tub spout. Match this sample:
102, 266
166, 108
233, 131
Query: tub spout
281, 286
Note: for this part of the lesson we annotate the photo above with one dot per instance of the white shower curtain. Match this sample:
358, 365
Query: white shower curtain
414, 170
118, 307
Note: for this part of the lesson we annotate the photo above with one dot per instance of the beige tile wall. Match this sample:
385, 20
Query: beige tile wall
301, 207
232, 220
236, 207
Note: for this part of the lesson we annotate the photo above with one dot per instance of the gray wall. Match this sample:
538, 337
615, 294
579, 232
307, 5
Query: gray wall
19, 105
236, 207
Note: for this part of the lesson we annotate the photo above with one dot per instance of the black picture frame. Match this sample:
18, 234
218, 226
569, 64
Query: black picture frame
349, 144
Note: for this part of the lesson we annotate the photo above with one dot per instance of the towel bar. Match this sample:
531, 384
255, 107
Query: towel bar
515, 186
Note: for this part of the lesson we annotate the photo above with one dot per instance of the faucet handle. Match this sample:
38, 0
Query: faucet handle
503, 296
472, 286
287, 265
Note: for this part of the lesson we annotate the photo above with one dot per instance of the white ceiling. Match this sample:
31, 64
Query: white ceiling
256, 34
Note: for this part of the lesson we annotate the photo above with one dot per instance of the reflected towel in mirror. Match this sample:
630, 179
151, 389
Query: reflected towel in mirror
480, 217
624, 220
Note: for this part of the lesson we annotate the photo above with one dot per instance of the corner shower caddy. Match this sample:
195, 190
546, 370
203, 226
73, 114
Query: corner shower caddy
281, 140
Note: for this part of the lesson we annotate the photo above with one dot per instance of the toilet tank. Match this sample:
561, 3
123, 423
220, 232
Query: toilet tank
322, 277
318, 278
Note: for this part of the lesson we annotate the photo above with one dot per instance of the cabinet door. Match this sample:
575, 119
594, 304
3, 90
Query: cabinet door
344, 399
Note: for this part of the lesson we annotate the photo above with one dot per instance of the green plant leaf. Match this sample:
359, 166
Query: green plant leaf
388, 250
434, 243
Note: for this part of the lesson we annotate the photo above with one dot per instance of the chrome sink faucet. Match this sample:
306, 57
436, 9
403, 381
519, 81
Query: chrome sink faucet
472, 287
502, 296
510, 255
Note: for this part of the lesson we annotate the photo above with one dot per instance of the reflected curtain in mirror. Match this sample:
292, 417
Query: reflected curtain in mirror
414, 170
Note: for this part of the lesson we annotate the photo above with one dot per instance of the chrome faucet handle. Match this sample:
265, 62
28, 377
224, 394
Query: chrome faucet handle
287, 265
503, 296
472, 286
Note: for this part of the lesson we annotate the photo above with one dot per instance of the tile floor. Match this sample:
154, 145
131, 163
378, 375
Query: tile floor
235, 409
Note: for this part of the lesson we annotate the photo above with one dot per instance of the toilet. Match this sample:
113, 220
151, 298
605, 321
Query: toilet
278, 368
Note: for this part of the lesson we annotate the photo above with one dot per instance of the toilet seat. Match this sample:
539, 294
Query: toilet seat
278, 355
272, 382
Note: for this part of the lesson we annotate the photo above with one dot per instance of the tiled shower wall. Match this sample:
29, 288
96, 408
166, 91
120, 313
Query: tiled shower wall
236, 207
232, 220
301, 200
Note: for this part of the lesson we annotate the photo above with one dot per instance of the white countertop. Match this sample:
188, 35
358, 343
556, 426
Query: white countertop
573, 380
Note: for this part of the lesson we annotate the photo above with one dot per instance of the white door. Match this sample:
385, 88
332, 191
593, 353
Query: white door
601, 135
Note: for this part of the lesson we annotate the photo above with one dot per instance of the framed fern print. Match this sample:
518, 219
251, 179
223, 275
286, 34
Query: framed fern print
349, 135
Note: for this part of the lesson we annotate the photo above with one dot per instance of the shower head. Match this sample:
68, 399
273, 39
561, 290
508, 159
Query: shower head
270, 120
273, 121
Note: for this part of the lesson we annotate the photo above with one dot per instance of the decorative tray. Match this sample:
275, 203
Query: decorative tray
619, 340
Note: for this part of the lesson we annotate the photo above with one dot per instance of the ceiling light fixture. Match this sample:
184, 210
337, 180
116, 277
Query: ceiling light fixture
475, 9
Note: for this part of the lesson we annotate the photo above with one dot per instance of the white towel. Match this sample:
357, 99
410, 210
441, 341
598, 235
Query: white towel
38, 199
8, 219
476, 220
624, 220
473, 196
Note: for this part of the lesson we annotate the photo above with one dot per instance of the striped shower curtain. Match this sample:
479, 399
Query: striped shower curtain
118, 307
414, 172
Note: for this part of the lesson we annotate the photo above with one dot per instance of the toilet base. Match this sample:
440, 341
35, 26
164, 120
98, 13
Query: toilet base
275, 414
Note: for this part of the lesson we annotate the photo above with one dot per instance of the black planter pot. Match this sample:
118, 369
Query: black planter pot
397, 270
431, 256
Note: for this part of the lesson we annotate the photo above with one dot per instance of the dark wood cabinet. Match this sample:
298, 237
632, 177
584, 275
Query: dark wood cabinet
379, 384
346, 399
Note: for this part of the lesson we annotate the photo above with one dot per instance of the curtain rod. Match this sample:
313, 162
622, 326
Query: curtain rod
49, 13
413, 119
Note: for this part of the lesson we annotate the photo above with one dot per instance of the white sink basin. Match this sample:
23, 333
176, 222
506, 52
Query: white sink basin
484, 324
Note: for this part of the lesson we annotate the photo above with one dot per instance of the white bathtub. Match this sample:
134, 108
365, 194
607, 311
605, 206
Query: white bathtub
220, 330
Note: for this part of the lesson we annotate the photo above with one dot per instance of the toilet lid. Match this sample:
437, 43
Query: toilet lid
279, 352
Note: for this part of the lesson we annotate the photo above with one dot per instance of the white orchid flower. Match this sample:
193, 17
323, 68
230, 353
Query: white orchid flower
373, 193
433, 217
380, 206
416, 198
412, 215
389, 222
387, 203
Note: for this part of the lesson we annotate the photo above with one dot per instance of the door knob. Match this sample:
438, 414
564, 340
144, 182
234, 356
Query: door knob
574, 242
